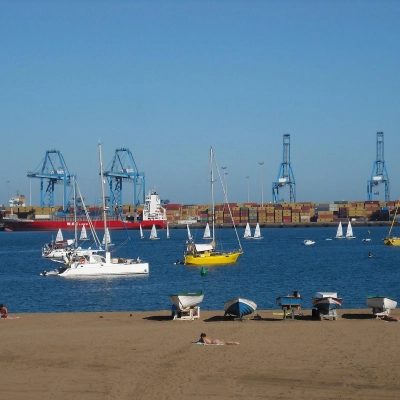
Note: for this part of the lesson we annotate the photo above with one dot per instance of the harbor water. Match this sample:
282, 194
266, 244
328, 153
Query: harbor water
274, 266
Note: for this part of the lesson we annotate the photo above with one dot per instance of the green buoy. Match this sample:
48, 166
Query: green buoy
203, 271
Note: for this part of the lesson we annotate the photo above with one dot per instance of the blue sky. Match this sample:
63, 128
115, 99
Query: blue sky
169, 79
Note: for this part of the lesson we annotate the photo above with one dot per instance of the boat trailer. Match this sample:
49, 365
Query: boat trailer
185, 314
289, 304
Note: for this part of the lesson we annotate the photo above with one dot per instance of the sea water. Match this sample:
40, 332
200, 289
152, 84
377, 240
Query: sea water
274, 266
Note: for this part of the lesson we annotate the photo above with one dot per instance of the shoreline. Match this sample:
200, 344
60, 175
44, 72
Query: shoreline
147, 355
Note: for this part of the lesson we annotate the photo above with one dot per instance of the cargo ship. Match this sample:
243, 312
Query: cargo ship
153, 214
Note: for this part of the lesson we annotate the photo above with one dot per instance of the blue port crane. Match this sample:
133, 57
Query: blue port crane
379, 173
54, 171
123, 169
285, 174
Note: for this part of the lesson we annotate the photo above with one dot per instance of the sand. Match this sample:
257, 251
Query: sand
147, 355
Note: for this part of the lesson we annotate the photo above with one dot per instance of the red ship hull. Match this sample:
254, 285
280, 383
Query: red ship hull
50, 225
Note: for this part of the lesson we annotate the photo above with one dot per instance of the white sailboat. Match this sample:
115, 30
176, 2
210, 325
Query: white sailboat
339, 233
153, 233
107, 237
96, 265
190, 237
59, 237
83, 235
141, 232
349, 232
167, 231
257, 232
207, 232
247, 232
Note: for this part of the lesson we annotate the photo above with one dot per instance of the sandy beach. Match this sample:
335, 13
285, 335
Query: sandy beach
147, 355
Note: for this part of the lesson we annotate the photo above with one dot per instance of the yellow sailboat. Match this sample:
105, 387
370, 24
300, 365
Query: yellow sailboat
206, 254
390, 240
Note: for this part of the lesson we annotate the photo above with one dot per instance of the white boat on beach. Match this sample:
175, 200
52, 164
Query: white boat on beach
326, 301
381, 304
184, 300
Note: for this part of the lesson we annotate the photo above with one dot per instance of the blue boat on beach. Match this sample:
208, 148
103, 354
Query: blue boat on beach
239, 307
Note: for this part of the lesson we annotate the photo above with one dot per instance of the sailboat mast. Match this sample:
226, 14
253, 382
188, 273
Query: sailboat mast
75, 222
212, 192
103, 196
394, 218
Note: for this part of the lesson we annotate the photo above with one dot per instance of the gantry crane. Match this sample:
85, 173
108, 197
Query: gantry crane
53, 170
379, 173
285, 174
123, 168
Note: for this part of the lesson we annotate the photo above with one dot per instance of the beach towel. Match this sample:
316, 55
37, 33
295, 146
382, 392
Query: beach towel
212, 344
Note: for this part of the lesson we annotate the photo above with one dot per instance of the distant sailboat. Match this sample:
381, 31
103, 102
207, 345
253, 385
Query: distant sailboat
339, 233
141, 232
59, 237
107, 237
153, 233
207, 233
257, 232
190, 237
349, 232
167, 231
83, 235
247, 232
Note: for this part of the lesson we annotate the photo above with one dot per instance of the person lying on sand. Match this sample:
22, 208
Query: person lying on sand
204, 339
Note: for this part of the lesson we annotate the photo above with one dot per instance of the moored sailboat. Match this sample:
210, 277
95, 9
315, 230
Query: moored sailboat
96, 265
390, 240
207, 254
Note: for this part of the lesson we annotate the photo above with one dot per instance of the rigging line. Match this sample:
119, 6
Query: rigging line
226, 201
95, 237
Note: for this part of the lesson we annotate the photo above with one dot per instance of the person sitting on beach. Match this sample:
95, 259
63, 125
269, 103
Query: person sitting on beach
204, 339
3, 311
297, 294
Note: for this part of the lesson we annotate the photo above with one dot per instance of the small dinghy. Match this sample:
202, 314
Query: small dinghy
239, 307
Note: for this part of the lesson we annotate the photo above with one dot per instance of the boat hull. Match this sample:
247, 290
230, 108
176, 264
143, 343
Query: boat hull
239, 307
212, 258
327, 303
106, 269
392, 241
185, 300
381, 302
66, 225
289, 301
